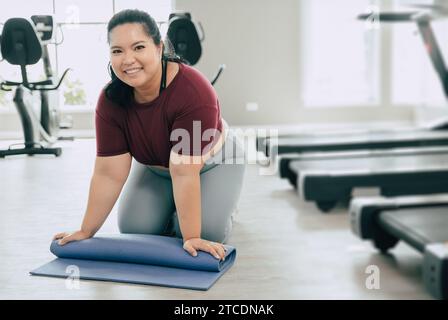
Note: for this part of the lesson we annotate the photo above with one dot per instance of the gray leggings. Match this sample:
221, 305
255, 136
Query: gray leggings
147, 205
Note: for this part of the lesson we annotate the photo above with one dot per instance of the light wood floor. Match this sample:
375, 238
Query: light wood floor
286, 248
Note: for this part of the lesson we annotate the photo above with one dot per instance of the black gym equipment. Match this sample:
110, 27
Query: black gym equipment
286, 159
421, 222
302, 143
50, 118
332, 179
184, 37
352, 142
21, 45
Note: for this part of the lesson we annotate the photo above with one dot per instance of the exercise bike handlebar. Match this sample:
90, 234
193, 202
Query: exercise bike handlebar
221, 69
40, 85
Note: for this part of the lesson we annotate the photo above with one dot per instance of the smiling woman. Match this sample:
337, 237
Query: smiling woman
136, 50
130, 51
187, 192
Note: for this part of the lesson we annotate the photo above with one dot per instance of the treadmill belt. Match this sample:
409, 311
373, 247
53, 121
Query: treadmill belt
417, 227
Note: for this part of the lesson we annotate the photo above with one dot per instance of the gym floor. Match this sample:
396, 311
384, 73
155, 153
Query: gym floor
287, 249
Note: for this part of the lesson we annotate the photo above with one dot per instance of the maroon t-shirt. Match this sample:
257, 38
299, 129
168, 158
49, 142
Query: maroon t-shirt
146, 130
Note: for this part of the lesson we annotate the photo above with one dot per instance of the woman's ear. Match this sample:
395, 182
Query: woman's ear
110, 70
162, 46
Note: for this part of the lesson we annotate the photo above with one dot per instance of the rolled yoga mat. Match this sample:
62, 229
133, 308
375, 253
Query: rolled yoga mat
137, 258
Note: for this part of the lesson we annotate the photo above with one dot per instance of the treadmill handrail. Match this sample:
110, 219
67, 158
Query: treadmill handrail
431, 45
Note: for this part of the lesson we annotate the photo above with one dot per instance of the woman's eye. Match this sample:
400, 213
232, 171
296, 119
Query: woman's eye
115, 51
139, 47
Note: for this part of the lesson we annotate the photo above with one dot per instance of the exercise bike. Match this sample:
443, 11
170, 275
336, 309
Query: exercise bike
24, 43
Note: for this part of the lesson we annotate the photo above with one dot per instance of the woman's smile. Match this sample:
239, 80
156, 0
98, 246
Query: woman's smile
133, 71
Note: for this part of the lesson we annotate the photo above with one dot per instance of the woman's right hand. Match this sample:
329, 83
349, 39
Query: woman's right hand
69, 237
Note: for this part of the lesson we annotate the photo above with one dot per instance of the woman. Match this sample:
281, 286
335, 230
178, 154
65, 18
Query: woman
166, 116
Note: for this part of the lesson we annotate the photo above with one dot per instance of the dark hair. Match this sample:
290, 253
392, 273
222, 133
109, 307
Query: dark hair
116, 90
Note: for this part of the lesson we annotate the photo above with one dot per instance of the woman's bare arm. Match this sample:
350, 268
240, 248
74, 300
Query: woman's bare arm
108, 179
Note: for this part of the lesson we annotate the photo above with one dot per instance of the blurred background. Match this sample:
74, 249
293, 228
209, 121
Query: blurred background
289, 63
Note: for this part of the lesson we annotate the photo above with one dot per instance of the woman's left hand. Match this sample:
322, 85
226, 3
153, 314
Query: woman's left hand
216, 249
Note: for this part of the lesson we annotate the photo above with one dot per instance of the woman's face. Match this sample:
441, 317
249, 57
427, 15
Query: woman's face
134, 57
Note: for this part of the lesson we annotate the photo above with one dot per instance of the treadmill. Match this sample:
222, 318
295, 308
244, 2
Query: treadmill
332, 179
385, 139
286, 173
421, 222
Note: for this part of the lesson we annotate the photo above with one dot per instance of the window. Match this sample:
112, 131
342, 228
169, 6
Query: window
86, 53
83, 10
347, 63
340, 55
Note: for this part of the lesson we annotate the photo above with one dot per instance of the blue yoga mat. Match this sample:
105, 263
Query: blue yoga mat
137, 258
